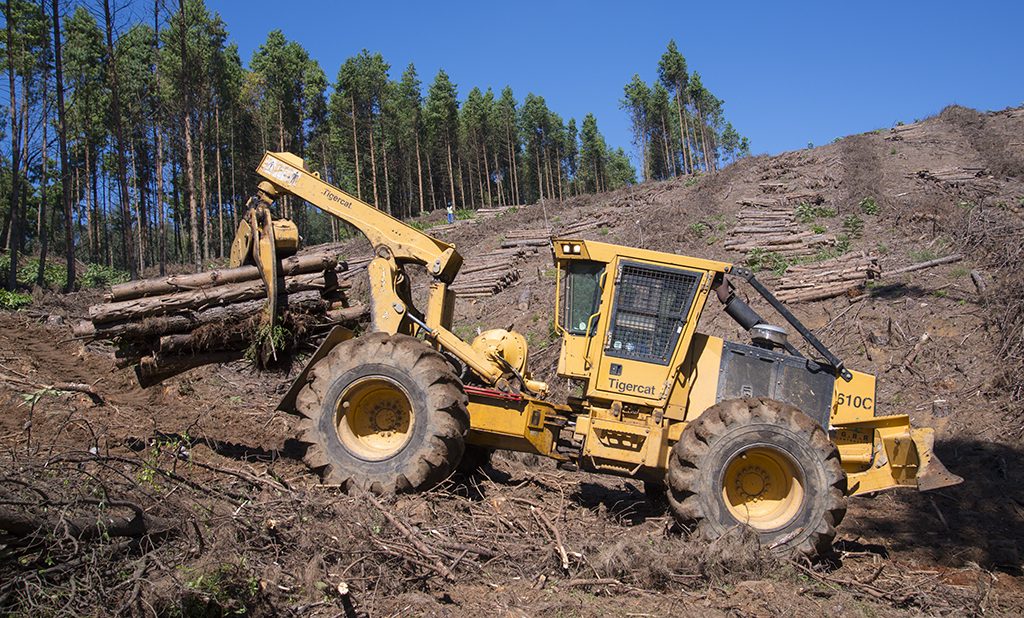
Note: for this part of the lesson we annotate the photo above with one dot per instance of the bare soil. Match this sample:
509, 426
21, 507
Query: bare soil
238, 525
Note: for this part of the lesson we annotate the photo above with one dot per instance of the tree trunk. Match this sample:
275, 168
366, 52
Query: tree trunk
704, 139
387, 181
12, 274
41, 232
355, 147
139, 308
430, 182
451, 175
204, 203
220, 197
157, 286
665, 138
540, 176
513, 164
122, 177
234, 163
139, 210
682, 140
419, 171
190, 179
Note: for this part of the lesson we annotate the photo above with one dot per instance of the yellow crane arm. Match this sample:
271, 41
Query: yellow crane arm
287, 173
395, 245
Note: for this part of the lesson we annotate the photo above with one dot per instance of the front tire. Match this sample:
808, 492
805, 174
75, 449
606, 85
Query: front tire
383, 413
762, 464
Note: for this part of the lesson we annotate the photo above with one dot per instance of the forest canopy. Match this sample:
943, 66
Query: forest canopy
132, 128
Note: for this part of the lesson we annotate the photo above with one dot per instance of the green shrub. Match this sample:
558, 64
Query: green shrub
809, 212
869, 206
817, 228
98, 275
758, 259
12, 301
463, 214
54, 275
698, 229
853, 226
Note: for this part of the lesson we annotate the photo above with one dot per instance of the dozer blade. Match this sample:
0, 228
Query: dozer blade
931, 474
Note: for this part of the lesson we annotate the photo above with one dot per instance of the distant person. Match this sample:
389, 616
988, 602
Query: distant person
451, 213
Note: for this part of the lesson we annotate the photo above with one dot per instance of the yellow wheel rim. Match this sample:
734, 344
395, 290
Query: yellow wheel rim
763, 488
374, 418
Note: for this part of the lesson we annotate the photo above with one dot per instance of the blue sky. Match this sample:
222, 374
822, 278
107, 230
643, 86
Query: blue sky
789, 72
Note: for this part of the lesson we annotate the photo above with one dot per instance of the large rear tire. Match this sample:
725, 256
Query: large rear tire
384, 413
762, 464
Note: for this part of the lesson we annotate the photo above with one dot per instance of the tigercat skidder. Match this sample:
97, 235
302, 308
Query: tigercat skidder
736, 434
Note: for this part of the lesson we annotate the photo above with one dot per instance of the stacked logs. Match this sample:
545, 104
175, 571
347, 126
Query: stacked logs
483, 214
772, 227
527, 238
605, 220
906, 131
953, 174
491, 273
166, 325
842, 275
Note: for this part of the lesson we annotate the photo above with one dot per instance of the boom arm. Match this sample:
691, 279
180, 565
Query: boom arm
395, 245
287, 174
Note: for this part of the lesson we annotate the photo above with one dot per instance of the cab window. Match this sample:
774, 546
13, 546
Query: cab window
651, 305
582, 295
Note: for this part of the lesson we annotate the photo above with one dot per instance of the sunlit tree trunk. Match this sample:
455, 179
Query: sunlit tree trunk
115, 109
220, 197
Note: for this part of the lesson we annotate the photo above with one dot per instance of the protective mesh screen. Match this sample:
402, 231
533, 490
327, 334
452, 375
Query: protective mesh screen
650, 306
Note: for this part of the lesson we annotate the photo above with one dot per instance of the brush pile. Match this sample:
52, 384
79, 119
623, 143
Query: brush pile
166, 325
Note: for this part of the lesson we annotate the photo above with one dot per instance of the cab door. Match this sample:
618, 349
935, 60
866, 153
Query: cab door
648, 321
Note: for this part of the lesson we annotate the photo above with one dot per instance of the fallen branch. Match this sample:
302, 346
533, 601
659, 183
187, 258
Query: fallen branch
949, 259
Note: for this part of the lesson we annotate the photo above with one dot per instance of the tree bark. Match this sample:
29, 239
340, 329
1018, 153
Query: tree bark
65, 178
127, 248
220, 198
355, 147
139, 308
185, 322
204, 204
190, 179
419, 171
294, 265
41, 232
12, 274
451, 175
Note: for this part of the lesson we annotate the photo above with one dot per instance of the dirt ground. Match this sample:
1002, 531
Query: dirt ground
237, 525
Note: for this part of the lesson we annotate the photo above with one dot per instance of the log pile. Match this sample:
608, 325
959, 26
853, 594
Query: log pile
575, 229
842, 275
953, 174
774, 229
483, 214
166, 325
905, 131
527, 238
491, 273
